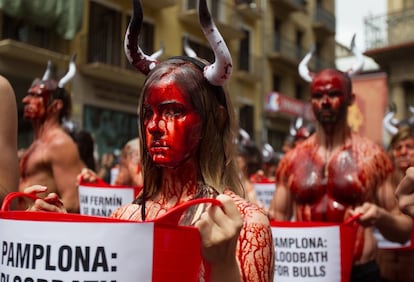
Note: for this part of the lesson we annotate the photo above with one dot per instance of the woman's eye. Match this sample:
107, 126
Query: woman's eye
316, 95
147, 114
173, 112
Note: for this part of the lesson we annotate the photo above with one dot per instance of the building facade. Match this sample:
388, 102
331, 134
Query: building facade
390, 42
267, 39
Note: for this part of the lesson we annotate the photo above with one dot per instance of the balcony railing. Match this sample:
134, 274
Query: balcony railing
249, 9
288, 6
286, 49
250, 68
389, 29
325, 18
224, 14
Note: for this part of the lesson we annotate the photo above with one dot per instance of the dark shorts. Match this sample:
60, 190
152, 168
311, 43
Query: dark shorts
367, 272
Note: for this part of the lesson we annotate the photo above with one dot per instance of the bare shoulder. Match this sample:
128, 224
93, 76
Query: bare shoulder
59, 138
366, 144
250, 212
5, 85
7, 95
59, 143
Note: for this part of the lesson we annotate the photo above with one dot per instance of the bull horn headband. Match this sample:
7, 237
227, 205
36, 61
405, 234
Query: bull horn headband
70, 74
308, 76
216, 73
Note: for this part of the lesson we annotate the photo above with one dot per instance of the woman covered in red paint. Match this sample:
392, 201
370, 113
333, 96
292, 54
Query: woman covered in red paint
188, 152
336, 173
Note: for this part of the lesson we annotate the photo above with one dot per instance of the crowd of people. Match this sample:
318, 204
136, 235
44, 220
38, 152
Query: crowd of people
186, 150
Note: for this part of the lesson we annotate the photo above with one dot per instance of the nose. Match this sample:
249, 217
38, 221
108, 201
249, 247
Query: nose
25, 99
403, 150
153, 125
325, 100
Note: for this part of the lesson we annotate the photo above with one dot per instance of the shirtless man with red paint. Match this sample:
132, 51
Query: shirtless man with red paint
52, 160
336, 173
187, 128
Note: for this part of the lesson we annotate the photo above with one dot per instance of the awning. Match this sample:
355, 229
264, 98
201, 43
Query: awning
63, 16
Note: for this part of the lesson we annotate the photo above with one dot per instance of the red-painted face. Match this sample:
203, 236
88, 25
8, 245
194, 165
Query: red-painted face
329, 97
172, 125
35, 102
403, 153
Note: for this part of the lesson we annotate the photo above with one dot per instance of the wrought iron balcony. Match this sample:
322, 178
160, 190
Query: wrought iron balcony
159, 4
223, 13
389, 29
249, 9
288, 6
323, 22
284, 51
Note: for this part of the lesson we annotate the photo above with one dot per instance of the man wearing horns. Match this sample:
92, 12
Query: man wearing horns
52, 160
336, 174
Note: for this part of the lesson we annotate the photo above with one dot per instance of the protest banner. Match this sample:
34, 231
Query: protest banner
60, 247
264, 190
101, 199
313, 251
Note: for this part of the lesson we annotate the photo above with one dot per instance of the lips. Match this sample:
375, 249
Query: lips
158, 147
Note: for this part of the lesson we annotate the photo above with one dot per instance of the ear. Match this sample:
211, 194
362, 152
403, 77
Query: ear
56, 105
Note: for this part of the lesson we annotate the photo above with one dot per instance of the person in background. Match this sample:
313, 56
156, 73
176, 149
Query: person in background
52, 160
107, 162
249, 160
303, 133
395, 265
187, 128
298, 132
8, 140
405, 192
336, 174
270, 162
86, 145
130, 167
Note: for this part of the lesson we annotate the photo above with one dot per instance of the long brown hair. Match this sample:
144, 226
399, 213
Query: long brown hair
217, 148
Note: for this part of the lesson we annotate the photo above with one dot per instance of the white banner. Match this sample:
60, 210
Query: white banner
102, 201
307, 254
68, 251
264, 193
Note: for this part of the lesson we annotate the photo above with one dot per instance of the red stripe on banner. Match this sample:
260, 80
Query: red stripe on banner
348, 237
177, 255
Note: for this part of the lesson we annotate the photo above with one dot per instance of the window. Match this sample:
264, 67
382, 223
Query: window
201, 50
298, 91
318, 57
277, 34
104, 34
111, 129
276, 139
191, 4
276, 83
246, 119
244, 51
22, 31
298, 44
